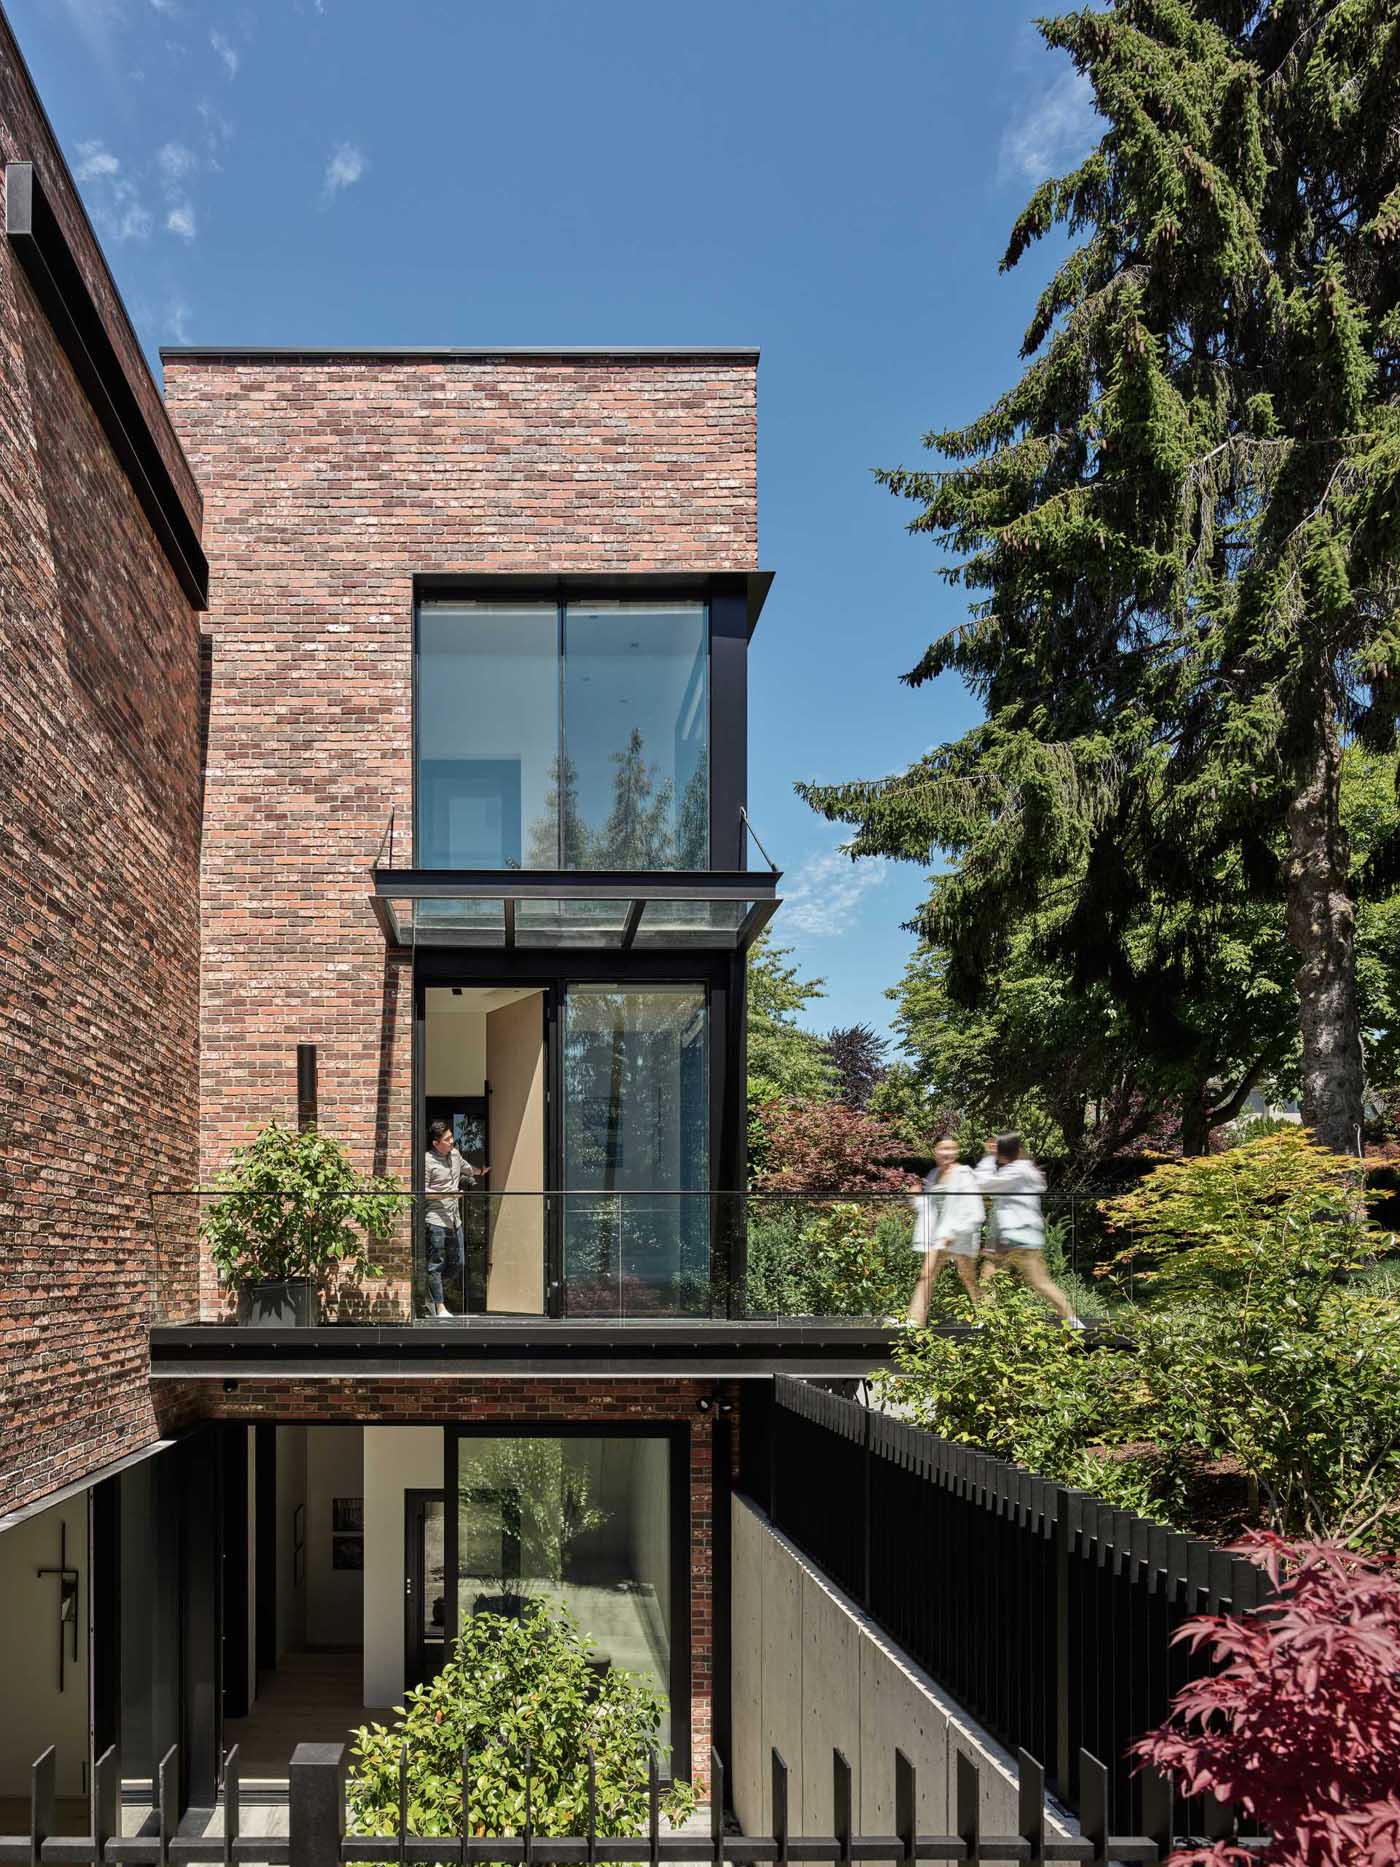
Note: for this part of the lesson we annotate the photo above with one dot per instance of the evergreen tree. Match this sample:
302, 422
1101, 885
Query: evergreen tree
1180, 526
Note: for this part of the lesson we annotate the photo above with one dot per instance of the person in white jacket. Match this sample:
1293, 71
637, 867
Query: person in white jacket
1014, 1190
948, 1224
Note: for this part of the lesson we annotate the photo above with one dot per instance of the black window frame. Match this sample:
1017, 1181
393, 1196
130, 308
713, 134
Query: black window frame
579, 597
678, 1436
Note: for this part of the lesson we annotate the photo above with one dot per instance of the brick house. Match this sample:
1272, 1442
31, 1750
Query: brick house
374, 745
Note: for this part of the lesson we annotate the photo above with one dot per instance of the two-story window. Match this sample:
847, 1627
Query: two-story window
563, 736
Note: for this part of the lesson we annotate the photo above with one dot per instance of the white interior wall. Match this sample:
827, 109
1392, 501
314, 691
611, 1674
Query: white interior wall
291, 1493
334, 1597
396, 1459
33, 1712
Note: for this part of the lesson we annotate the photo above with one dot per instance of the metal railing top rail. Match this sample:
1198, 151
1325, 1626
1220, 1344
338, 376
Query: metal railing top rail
1039, 1504
318, 1832
860, 1196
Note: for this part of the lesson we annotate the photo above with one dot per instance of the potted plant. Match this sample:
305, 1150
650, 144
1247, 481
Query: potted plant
292, 1208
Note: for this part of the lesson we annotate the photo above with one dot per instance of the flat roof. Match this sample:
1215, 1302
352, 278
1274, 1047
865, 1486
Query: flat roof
417, 353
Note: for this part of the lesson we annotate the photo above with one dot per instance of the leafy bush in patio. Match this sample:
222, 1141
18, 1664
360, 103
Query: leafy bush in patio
292, 1205
1300, 1723
829, 1258
822, 1147
512, 1685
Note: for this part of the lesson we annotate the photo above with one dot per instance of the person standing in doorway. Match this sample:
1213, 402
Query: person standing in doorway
1016, 1188
948, 1224
446, 1175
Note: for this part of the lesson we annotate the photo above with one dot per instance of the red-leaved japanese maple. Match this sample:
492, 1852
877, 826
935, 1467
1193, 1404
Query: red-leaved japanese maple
823, 1147
1300, 1724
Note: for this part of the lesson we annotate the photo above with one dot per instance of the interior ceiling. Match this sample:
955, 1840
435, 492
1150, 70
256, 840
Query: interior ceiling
477, 998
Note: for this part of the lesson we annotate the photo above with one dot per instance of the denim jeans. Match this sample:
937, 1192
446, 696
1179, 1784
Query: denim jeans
444, 1258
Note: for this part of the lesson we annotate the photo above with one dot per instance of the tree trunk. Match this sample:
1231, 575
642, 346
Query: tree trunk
1195, 1122
1320, 918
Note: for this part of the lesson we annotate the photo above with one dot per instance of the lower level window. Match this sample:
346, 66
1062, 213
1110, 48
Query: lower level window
582, 1525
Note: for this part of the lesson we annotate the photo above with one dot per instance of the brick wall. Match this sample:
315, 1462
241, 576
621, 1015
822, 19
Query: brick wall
99, 840
401, 1402
328, 485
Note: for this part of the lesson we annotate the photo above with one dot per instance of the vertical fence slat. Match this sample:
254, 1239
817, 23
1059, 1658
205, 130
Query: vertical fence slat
842, 1812
233, 1814
653, 1806
403, 1804
906, 1807
528, 1839
967, 1807
1030, 1803
106, 1802
466, 1781
1157, 1814
780, 1805
42, 1778
168, 1801
316, 1804
1093, 1806
716, 1809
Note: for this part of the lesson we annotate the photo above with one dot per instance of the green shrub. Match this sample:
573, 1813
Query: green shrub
291, 1205
829, 1258
513, 1685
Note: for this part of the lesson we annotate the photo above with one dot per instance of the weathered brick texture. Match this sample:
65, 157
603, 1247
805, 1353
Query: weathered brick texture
99, 842
370, 1401
328, 485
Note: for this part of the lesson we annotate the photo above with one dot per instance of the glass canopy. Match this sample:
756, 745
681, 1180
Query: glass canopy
538, 908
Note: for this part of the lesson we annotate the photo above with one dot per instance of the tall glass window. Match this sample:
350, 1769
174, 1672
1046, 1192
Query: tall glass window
563, 737
636, 1149
636, 720
579, 1524
488, 736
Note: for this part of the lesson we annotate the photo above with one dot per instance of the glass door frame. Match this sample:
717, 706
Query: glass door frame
677, 1434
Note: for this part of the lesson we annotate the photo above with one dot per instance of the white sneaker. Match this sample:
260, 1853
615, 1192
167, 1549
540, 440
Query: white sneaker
1076, 1322
443, 1310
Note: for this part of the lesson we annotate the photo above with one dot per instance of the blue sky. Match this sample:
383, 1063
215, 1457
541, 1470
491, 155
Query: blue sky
829, 179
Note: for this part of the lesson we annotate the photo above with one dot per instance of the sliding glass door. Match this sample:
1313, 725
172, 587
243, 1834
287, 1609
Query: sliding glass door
636, 1150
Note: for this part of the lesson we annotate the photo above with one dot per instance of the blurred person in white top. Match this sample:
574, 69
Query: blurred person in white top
949, 1224
1014, 1191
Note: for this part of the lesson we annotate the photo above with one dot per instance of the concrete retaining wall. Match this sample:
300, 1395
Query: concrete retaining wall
812, 1672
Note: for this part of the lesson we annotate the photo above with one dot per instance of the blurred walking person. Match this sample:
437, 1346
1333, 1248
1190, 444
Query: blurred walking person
1015, 1190
948, 1225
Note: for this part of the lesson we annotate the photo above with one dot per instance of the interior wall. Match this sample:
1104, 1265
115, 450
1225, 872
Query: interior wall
515, 1069
650, 1522
291, 1496
454, 1043
33, 1712
334, 1597
395, 1459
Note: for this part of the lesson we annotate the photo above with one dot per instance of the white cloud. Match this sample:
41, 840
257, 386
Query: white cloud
1051, 134
177, 314
95, 159
345, 167
180, 220
226, 52
169, 8
218, 131
826, 893
175, 162
113, 198
97, 23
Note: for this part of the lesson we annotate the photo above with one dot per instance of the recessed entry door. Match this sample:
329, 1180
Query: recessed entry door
425, 1586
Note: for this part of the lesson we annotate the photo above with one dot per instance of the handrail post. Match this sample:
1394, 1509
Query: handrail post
41, 1803
842, 1806
780, 1806
106, 1802
1030, 1778
906, 1807
316, 1805
967, 1807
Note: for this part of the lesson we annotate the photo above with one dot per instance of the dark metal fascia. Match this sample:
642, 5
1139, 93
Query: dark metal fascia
38, 242
577, 884
578, 586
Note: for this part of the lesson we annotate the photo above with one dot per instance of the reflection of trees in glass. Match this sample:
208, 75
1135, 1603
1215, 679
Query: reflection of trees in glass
693, 829
643, 828
537, 1505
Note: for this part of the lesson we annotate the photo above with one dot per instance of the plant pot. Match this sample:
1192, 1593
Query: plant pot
508, 1607
287, 1303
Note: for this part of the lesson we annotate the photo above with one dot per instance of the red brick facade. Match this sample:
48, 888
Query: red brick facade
99, 843
382, 1402
328, 486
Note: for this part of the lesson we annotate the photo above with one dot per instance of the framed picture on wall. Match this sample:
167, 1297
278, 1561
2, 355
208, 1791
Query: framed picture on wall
347, 1552
347, 1516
